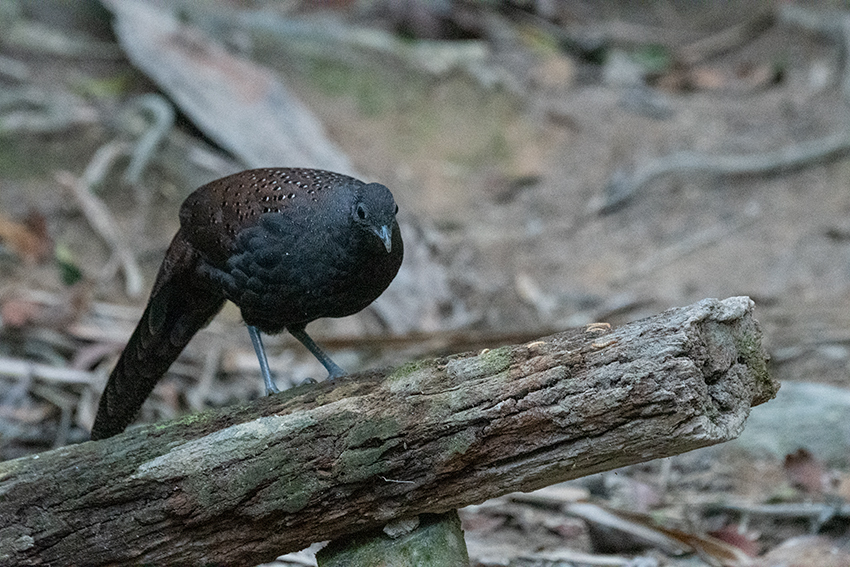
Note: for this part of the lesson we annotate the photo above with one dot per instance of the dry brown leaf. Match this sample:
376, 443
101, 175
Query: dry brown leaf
807, 473
732, 534
17, 312
635, 527
613, 531
29, 239
19, 309
712, 550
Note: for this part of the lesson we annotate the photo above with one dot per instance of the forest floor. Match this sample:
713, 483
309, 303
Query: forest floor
510, 161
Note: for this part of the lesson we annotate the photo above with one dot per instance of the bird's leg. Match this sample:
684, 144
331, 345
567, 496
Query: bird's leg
299, 333
261, 356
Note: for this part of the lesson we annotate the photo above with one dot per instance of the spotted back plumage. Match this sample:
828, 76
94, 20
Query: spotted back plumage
214, 214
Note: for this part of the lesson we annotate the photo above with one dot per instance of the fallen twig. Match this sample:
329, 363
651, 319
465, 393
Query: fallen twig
816, 513
724, 40
19, 367
162, 114
623, 186
32, 109
98, 214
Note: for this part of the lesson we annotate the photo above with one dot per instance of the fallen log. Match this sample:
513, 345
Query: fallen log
242, 485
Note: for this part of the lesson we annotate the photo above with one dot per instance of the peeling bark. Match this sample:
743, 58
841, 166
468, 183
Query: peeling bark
242, 485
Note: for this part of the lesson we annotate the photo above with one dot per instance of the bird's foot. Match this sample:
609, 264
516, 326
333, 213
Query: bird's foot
337, 372
271, 388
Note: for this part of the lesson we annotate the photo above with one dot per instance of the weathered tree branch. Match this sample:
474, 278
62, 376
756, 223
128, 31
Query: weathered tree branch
242, 485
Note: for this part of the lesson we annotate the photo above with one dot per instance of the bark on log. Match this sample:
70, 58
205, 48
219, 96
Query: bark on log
241, 485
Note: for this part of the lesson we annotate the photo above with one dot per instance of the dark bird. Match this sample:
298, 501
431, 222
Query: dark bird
287, 246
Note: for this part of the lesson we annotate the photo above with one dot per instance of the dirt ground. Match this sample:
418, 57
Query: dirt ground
504, 185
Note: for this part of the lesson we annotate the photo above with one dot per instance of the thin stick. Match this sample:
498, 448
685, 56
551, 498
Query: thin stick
19, 368
98, 214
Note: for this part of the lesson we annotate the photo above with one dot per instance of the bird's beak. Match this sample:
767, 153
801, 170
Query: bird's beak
386, 237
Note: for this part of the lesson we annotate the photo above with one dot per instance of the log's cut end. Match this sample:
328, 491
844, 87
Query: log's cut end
703, 365
725, 347
735, 337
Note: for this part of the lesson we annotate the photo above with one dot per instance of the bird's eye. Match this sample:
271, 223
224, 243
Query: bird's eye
361, 211
395, 210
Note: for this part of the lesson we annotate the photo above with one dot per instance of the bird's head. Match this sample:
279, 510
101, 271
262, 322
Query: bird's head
374, 210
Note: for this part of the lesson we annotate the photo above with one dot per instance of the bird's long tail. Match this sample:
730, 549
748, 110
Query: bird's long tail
179, 306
